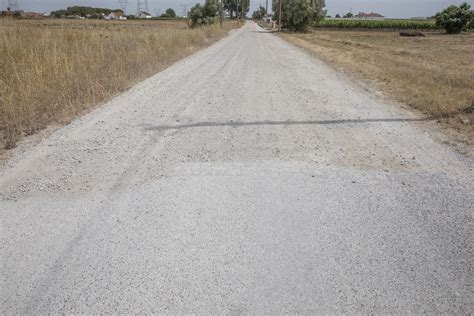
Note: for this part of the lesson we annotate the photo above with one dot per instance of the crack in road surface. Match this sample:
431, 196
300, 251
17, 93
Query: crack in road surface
283, 123
247, 178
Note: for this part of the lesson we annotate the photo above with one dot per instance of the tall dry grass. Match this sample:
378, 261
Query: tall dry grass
434, 74
53, 70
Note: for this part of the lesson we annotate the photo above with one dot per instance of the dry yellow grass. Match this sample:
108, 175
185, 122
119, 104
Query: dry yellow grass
434, 74
54, 70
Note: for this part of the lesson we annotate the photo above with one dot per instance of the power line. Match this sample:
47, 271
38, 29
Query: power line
184, 8
123, 5
142, 5
13, 5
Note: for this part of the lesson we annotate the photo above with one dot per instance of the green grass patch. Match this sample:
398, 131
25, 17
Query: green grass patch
378, 24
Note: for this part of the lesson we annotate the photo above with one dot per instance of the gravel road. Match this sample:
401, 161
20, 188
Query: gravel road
247, 178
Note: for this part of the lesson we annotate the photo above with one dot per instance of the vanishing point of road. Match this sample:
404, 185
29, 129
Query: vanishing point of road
249, 178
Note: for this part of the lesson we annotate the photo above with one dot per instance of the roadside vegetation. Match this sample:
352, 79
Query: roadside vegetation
456, 19
53, 70
433, 74
259, 14
431, 71
298, 15
453, 19
205, 14
212, 10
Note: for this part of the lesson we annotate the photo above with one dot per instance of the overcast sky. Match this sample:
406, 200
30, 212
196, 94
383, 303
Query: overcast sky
388, 8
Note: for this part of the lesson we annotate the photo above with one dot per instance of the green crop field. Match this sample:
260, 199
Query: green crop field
378, 24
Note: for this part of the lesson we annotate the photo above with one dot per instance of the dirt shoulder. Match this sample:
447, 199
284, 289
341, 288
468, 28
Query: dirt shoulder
432, 74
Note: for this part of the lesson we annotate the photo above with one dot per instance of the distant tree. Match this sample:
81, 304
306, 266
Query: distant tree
8, 12
169, 13
338, 16
259, 14
349, 15
298, 15
239, 7
82, 11
455, 19
58, 13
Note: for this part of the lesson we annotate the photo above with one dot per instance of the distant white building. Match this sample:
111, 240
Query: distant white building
76, 17
116, 15
110, 16
143, 15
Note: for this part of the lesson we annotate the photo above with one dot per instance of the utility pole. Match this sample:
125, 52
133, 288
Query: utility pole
279, 15
142, 5
184, 8
221, 12
13, 5
237, 11
123, 5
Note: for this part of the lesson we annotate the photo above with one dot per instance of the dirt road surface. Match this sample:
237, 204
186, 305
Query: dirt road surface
248, 178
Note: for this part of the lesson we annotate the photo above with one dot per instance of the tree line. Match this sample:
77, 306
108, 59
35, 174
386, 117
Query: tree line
207, 13
83, 11
299, 15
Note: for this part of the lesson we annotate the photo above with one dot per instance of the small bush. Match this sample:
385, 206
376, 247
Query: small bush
455, 19
298, 15
170, 13
204, 14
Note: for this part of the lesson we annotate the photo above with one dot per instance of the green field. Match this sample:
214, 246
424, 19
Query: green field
378, 24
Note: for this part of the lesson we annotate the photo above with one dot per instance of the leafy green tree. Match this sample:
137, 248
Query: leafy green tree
169, 13
196, 15
455, 19
259, 14
239, 7
298, 15
337, 16
211, 8
349, 15
204, 14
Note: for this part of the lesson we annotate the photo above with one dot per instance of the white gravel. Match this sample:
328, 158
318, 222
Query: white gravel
248, 178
